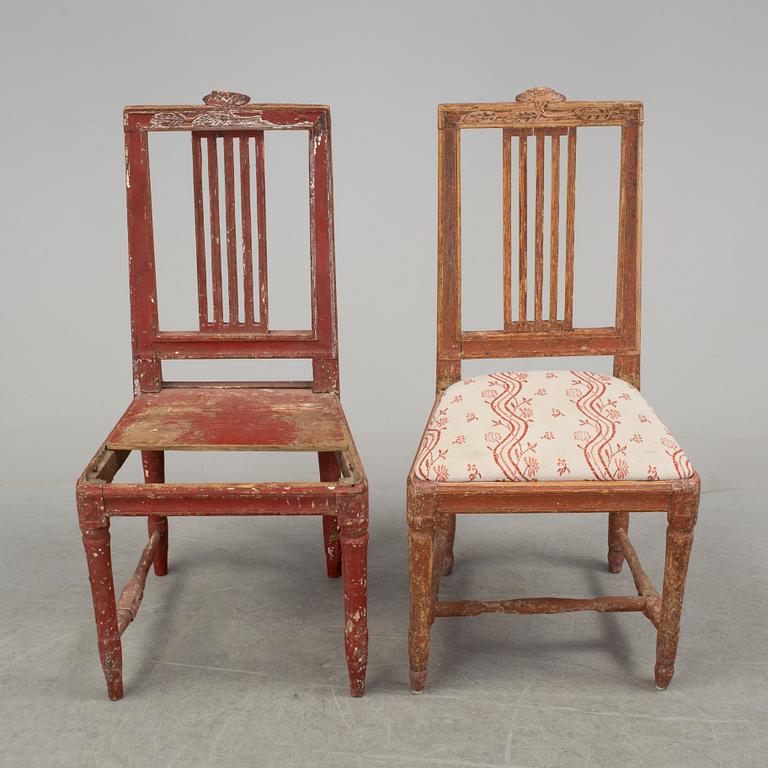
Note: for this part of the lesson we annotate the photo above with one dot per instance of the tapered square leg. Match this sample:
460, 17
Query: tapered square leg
681, 521
153, 463
447, 525
353, 527
421, 553
617, 521
94, 526
329, 472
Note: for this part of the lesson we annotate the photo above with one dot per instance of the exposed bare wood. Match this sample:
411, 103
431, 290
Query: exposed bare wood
237, 384
106, 465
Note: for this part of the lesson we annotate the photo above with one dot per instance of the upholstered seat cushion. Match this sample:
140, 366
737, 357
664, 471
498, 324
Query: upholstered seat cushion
547, 425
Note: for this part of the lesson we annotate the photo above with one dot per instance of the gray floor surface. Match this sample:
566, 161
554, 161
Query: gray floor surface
236, 657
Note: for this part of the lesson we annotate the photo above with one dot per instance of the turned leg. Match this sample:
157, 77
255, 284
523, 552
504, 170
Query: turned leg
421, 552
617, 521
329, 473
353, 527
154, 472
681, 521
447, 525
94, 525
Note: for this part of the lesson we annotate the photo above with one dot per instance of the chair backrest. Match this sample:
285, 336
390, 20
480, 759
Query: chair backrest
542, 115
230, 326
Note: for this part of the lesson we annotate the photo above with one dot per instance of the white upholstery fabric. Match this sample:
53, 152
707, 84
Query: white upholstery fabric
547, 425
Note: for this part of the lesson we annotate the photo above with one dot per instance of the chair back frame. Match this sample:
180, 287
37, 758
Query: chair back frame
229, 117
540, 113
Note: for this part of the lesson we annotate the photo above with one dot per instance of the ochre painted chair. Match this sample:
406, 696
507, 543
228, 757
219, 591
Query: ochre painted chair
544, 441
245, 416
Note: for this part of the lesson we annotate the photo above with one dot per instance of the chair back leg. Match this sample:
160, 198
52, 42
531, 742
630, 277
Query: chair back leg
447, 526
617, 521
329, 472
153, 463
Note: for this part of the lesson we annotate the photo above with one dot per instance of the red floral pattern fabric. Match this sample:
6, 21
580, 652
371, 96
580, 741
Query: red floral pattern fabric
547, 425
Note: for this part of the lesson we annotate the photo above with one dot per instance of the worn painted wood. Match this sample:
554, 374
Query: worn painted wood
153, 463
527, 605
231, 419
253, 415
421, 564
330, 472
130, 598
681, 519
643, 582
432, 507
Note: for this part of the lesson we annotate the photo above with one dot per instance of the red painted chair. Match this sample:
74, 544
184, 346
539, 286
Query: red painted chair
248, 416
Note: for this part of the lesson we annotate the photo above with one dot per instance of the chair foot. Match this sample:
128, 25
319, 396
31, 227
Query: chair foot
663, 676
115, 690
447, 565
615, 562
357, 686
418, 679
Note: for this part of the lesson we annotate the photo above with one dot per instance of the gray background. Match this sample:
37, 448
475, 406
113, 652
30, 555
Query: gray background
67, 70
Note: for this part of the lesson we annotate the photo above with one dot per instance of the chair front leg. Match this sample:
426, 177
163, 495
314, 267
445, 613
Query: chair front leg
617, 521
681, 521
154, 472
329, 473
447, 525
353, 528
421, 555
94, 526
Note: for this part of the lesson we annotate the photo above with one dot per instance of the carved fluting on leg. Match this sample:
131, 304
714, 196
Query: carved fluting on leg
154, 472
421, 548
681, 521
94, 526
617, 521
329, 472
448, 527
353, 529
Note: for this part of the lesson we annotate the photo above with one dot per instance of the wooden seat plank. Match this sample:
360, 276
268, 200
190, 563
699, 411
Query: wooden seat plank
231, 419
